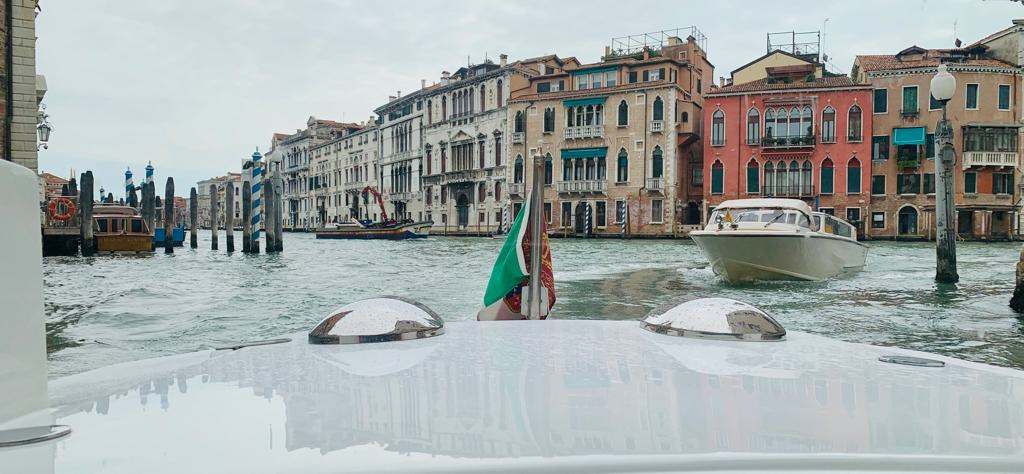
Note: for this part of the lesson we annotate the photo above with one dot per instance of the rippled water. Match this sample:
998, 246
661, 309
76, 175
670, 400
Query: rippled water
106, 310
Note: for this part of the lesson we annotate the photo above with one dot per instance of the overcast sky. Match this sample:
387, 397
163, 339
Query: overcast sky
196, 85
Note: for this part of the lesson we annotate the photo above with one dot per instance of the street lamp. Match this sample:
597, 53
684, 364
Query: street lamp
43, 127
943, 86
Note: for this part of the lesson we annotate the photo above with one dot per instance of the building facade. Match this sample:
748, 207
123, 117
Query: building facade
203, 199
22, 89
466, 150
300, 185
783, 127
620, 138
400, 170
343, 168
985, 115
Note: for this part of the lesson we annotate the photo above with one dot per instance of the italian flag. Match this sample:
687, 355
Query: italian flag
511, 272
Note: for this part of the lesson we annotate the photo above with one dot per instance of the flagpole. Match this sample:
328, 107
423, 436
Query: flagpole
536, 308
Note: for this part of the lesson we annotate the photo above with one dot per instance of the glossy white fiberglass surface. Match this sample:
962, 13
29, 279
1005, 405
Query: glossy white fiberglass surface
520, 395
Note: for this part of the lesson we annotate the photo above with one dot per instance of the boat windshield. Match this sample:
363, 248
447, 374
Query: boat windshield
766, 216
831, 225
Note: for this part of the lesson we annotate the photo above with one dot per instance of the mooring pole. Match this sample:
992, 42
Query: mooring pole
193, 217
229, 214
269, 220
278, 205
169, 216
246, 216
945, 207
537, 304
257, 200
85, 202
214, 198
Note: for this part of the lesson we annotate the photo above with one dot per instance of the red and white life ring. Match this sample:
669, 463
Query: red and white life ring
61, 209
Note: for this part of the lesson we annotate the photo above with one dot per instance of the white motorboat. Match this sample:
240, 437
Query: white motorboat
778, 239
385, 384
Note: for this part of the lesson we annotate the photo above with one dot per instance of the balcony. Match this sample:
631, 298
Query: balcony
585, 186
656, 184
585, 131
657, 126
407, 196
788, 142
517, 137
517, 188
910, 113
464, 176
789, 190
990, 158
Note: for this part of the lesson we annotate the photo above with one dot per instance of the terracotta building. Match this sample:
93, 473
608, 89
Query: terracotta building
984, 114
784, 127
621, 138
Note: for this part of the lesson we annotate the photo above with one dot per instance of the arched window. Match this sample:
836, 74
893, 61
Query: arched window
684, 117
853, 176
598, 114
657, 163
623, 114
548, 171
500, 99
807, 122
805, 179
717, 178
519, 125
566, 170
601, 168
782, 124
753, 126
549, 120
718, 128
827, 174
658, 109
590, 115
471, 102
518, 172
753, 177
853, 125
579, 117
579, 171
622, 174
794, 178
769, 178
482, 194
828, 125
483, 97
444, 108
430, 113
769, 127
794, 123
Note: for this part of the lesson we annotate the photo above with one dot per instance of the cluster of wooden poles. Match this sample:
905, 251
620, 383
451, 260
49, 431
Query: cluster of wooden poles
270, 208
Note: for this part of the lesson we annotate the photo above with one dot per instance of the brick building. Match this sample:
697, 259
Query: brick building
785, 127
621, 137
984, 116
21, 90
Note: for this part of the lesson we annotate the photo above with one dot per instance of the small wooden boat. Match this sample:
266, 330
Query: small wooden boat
120, 229
389, 231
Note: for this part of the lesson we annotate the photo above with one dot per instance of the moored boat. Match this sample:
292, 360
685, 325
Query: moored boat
388, 231
120, 229
177, 236
778, 239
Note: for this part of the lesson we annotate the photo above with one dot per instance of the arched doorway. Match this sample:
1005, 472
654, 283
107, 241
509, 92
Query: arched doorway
907, 221
692, 213
462, 210
582, 224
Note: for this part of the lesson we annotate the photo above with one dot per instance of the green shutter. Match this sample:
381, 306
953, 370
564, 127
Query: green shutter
753, 184
717, 176
881, 101
972, 96
826, 180
910, 99
929, 145
970, 183
1004, 97
853, 180
878, 184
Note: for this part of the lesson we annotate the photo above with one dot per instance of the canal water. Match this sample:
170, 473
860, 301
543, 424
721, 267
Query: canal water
106, 310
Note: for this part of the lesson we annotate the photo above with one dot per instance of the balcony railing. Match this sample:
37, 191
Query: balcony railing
656, 184
516, 188
990, 158
406, 196
584, 131
585, 186
788, 190
907, 113
517, 137
657, 126
788, 142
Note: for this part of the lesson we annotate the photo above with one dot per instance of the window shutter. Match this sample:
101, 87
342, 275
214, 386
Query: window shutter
646, 76
632, 77
826, 180
716, 180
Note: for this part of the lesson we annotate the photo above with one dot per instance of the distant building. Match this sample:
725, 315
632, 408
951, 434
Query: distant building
299, 183
342, 168
401, 123
52, 185
203, 202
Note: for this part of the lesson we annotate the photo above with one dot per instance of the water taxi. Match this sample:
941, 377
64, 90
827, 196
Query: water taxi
778, 239
377, 230
120, 229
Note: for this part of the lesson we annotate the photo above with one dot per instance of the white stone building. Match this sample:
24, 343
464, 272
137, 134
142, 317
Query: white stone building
341, 169
401, 153
300, 184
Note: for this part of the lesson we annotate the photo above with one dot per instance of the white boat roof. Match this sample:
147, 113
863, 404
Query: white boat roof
765, 203
536, 396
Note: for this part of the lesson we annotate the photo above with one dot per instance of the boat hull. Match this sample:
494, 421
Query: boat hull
124, 243
747, 256
417, 230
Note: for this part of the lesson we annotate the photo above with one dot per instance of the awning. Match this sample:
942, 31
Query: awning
584, 152
587, 101
908, 136
581, 71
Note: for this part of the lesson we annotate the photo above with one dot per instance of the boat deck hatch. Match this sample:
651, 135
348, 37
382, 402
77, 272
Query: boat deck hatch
714, 318
382, 319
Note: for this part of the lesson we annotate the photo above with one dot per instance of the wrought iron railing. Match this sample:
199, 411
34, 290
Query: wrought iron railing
583, 186
788, 190
788, 142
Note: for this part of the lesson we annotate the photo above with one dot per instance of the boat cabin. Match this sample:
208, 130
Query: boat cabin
121, 229
764, 213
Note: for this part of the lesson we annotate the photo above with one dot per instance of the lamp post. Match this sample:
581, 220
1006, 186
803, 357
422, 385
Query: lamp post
943, 86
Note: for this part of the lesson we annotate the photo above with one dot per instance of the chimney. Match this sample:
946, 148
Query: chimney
444, 77
503, 60
399, 93
647, 53
721, 81
423, 83
607, 51
391, 98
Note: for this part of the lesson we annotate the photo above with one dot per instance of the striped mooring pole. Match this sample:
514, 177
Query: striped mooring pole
504, 220
623, 213
257, 194
589, 226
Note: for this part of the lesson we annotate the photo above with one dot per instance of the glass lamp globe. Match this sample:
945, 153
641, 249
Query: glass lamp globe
43, 130
943, 84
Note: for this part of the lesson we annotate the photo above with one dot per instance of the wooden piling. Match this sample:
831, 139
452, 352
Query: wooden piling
229, 214
246, 218
268, 215
193, 217
85, 203
213, 216
1017, 301
169, 216
133, 198
278, 220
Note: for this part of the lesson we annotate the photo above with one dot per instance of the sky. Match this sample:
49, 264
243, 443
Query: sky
195, 86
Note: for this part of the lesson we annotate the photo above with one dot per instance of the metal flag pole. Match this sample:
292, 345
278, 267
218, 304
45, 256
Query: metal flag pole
537, 306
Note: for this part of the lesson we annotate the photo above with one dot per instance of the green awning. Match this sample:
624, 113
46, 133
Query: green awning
908, 136
596, 152
579, 72
587, 101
